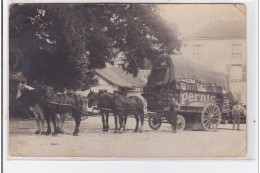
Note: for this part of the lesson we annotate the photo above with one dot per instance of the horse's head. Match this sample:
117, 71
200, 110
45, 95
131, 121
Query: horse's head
92, 99
21, 88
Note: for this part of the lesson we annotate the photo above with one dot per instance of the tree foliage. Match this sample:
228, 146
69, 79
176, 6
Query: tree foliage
62, 44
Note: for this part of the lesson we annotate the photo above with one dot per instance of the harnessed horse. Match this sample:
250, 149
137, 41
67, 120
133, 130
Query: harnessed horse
121, 106
51, 103
30, 98
105, 107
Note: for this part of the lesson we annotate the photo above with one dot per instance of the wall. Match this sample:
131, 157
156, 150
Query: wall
217, 54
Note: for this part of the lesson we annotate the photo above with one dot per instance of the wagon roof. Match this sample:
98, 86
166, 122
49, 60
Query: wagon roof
181, 68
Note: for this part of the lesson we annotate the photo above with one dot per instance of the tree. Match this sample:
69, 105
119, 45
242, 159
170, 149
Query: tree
62, 44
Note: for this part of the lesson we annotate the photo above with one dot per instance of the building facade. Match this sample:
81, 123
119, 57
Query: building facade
222, 47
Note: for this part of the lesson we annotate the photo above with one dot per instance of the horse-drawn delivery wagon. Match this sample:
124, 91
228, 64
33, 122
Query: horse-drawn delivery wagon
201, 93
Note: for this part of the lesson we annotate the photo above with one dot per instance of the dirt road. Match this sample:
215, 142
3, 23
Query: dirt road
91, 142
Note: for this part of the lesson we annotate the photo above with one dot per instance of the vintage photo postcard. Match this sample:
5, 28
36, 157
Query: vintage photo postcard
127, 80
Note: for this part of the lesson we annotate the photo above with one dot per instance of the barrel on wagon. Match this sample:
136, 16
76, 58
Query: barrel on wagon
202, 93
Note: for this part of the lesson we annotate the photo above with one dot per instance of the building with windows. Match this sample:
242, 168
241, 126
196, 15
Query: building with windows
221, 45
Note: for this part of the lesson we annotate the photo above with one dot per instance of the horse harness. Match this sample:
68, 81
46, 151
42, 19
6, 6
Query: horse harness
63, 104
128, 103
104, 109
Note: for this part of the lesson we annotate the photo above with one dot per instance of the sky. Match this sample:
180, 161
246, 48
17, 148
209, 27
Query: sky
190, 17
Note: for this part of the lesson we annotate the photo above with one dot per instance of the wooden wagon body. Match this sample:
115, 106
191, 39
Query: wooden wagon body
201, 93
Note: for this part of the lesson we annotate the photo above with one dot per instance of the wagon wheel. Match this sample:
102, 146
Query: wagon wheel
210, 117
181, 122
155, 122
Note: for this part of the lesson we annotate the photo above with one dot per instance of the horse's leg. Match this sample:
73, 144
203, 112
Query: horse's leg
42, 128
142, 123
77, 117
120, 130
53, 118
115, 118
48, 125
38, 131
62, 120
124, 123
137, 123
57, 116
46, 113
42, 120
35, 113
103, 122
107, 126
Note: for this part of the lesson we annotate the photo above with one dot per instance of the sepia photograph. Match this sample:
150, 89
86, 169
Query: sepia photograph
127, 80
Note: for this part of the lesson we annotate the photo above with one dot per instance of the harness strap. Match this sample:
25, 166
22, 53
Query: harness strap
129, 108
43, 97
122, 109
67, 98
60, 101
130, 112
128, 104
64, 104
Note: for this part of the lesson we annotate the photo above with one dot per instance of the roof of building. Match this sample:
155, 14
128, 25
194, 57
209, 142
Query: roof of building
117, 76
134, 81
220, 29
109, 75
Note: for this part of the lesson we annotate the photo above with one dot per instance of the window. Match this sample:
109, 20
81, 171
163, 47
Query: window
236, 73
197, 51
244, 73
236, 50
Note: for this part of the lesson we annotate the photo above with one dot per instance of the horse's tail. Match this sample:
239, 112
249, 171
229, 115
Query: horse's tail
144, 106
141, 101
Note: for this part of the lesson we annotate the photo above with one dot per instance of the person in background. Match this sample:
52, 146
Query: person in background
244, 113
236, 112
244, 109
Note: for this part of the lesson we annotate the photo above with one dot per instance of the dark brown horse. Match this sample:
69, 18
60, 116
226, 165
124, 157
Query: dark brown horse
121, 106
51, 104
105, 106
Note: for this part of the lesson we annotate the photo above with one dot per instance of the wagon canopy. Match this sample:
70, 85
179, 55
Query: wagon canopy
179, 68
